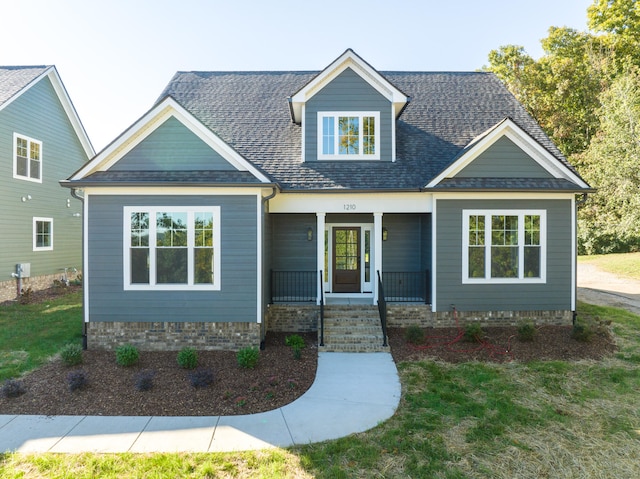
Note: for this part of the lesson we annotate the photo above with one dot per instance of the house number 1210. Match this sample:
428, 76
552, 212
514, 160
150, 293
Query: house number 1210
349, 207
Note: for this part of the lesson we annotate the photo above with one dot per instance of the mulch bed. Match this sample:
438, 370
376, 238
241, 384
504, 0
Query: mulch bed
277, 380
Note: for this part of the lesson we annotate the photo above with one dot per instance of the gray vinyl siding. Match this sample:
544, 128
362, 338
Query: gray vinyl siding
235, 302
39, 115
555, 294
504, 159
291, 251
347, 92
172, 147
408, 244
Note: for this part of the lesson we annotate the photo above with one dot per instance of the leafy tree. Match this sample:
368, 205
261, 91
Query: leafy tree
610, 220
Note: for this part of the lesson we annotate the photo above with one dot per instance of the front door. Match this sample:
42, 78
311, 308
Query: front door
346, 260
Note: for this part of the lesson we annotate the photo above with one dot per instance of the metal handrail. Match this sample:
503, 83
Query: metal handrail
408, 286
321, 310
293, 286
382, 310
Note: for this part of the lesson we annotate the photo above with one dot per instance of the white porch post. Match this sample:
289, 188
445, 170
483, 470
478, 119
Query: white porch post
377, 249
320, 217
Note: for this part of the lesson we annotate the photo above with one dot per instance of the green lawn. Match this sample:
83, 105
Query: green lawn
32, 333
540, 419
625, 264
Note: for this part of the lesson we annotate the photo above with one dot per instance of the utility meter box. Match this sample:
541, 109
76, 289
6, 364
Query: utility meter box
23, 270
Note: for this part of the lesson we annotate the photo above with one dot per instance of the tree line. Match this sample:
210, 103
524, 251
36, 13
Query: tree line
585, 92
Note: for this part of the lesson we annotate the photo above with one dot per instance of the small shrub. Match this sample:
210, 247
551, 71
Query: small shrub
201, 378
71, 354
144, 380
77, 380
248, 357
127, 355
414, 334
241, 401
12, 388
582, 332
473, 333
188, 358
296, 342
526, 331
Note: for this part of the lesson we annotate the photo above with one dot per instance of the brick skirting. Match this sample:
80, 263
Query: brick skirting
292, 318
173, 336
401, 316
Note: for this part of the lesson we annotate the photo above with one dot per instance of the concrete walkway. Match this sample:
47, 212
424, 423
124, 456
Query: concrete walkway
352, 392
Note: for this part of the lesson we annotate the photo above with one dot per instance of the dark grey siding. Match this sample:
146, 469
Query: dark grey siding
555, 294
235, 302
408, 244
347, 92
504, 159
38, 114
290, 249
172, 147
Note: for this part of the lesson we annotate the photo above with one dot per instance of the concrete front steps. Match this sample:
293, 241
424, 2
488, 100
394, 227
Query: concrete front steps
352, 329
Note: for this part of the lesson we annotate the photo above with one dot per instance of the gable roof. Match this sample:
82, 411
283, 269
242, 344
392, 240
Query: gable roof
448, 112
534, 150
349, 59
97, 170
16, 80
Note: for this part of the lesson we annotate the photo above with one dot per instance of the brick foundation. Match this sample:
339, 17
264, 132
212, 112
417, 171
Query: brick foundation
286, 318
9, 289
403, 315
173, 336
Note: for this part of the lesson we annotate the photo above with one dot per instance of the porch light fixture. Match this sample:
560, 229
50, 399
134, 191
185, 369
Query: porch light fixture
385, 234
310, 234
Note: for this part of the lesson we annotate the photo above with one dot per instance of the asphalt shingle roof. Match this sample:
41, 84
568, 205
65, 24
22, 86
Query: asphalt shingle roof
15, 78
250, 112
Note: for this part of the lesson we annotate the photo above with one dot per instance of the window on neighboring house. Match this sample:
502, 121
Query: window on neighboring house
504, 246
42, 234
172, 248
27, 158
349, 135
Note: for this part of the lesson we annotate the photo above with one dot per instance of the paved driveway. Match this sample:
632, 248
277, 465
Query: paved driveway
605, 289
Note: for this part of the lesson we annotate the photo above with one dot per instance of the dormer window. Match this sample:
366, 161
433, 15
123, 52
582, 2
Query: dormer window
349, 135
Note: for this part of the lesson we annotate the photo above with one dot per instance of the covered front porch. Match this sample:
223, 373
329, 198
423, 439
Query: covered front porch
357, 258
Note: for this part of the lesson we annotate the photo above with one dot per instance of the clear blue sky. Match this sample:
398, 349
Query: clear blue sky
116, 56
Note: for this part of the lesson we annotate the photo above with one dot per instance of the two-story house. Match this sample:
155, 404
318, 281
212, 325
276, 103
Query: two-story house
246, 201
41, 142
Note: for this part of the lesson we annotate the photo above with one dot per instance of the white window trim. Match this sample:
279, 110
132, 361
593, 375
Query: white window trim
15, 158
35, 234
152, 286
466, 214
360, 115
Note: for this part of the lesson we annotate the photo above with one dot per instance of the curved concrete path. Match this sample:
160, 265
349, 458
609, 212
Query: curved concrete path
352, 392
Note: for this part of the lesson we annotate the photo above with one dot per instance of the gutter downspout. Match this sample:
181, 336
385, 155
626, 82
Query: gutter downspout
74, 193
579, 201
264, 207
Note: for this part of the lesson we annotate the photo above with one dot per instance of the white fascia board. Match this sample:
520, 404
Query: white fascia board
346, 60
521, 139
65, 101
146, 125
173, 191
70, 110
351, 203
504, 195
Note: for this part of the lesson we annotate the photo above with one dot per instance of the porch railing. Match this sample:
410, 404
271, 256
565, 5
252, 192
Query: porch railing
293, 286
382, 310
403, 286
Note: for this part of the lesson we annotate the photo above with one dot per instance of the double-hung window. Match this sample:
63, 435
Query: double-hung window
504, 246
172, 248
42, 234
349, 135
27, 158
